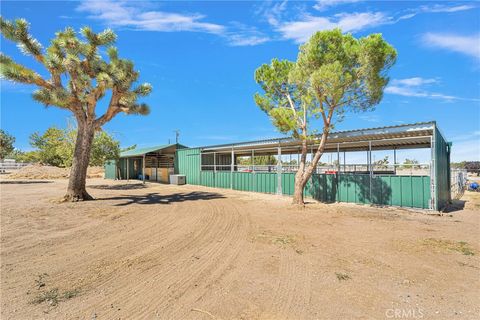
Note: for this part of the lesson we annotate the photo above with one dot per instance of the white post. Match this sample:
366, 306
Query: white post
370, 166
253, 171
143, 169
232, 168
279, 170
338, 158
395, 160
214, 169
128, 168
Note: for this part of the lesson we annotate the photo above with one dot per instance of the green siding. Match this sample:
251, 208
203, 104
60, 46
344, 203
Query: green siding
288, 183
122, 165
265, 182
243, 181
442, 170
110, 169
188, 161
404, 191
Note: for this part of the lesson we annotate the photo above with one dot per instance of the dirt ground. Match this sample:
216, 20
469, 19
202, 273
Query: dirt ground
190, 252
38, 171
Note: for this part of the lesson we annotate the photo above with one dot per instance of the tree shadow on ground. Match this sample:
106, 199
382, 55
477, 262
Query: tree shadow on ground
25, 182
155, 198
125, 186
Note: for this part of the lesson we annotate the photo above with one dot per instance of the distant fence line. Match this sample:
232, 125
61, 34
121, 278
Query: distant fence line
458, 182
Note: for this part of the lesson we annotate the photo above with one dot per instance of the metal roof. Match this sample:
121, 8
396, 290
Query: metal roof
141, 151
416, 135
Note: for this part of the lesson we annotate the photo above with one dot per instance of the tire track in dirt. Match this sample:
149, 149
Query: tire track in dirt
291, 298
217, 222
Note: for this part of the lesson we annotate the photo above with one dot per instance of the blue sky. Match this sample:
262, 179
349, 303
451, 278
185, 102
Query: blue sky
200, 58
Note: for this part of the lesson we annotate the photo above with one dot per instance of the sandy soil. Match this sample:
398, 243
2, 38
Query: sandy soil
38, 171
188, 252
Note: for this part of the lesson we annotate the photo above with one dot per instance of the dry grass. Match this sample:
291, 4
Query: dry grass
449, 245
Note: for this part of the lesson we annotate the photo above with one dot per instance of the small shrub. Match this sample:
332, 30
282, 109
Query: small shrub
342, 276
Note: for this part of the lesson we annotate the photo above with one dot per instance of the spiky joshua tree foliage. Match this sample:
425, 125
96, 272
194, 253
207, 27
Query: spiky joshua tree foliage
78, 77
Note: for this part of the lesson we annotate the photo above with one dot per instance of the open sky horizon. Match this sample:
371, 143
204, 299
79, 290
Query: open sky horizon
200, 57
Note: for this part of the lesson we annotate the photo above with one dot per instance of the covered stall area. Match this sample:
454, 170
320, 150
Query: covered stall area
147, 164
269, 166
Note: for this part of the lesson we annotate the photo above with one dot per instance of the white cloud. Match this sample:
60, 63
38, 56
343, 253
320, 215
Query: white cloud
305, 24
137, 16
122, 14
440, 8
325, 4
415, 81
301, 30
468, 45
245, 36
415, 87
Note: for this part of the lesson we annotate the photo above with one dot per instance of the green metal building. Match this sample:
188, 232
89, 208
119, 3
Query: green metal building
155, 163
425, 186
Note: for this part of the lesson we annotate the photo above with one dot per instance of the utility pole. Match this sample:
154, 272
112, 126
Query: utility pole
177, 135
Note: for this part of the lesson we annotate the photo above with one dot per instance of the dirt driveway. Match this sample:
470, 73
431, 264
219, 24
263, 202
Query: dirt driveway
188, 252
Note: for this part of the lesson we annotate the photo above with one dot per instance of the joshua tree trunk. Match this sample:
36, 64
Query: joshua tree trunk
76, 190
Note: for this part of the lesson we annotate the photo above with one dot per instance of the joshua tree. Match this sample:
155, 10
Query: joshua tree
334, 73
78, 77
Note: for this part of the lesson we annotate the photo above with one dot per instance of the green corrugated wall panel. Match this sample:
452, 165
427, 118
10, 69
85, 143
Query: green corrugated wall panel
243, 181
110, 169
222, 179
323, 187
207, 178
266, 182
417, 192
442, 170
406, 185
288, 183
387, 192
386, 189
189, 164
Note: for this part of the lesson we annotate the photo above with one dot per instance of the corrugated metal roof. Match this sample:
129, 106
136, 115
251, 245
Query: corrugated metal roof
142, 151
397, 131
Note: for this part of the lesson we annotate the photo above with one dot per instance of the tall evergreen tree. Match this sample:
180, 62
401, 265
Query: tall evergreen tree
334, 73
78, 78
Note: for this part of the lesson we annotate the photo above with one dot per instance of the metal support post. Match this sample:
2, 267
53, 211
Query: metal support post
395, 161
253, 171
232, 168
128, 168
338, 158
143, 169
279, 170
370, 166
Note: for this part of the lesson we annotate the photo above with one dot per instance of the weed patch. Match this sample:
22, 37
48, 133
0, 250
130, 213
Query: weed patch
449, 245
342, 276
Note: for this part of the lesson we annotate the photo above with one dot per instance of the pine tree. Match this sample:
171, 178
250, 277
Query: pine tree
334, 73
78, 78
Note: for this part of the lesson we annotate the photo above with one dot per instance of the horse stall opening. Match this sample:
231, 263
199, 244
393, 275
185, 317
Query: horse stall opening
269, 166
148, 164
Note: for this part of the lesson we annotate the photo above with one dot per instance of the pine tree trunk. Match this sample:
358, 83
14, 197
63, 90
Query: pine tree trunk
298, 191
299, 178
76, 190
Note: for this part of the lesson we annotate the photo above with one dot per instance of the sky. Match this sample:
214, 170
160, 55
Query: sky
200, 57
